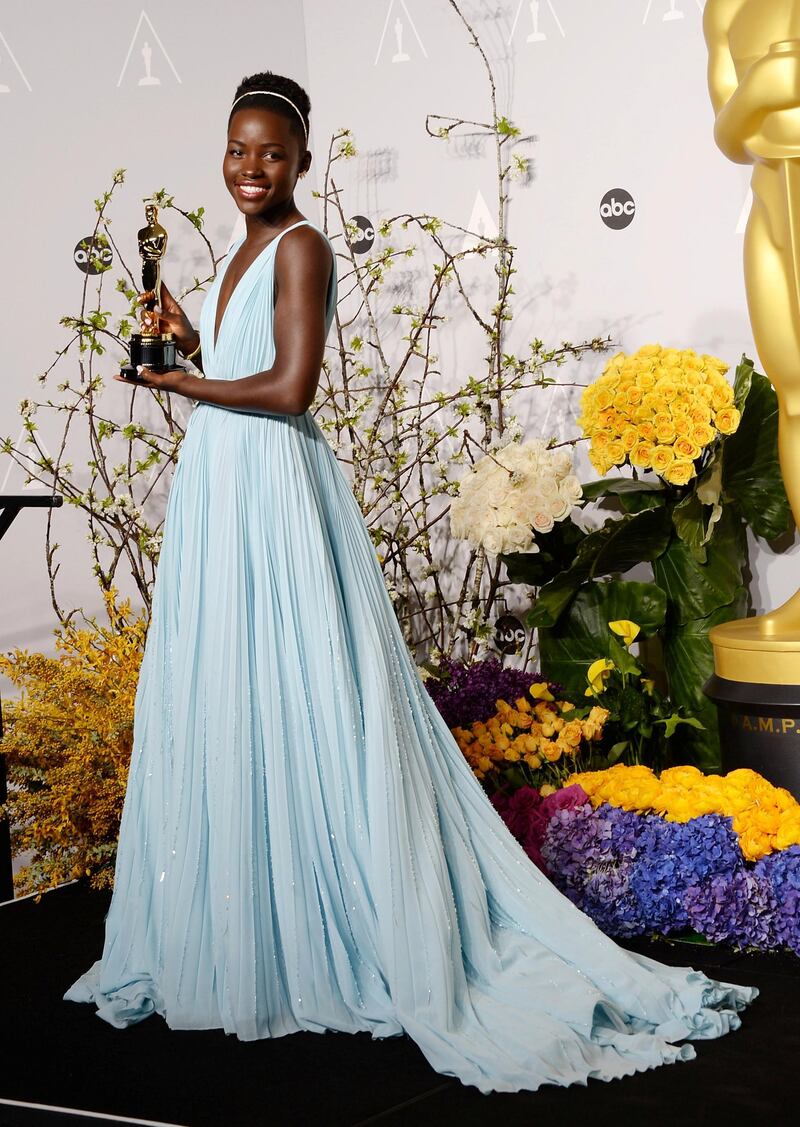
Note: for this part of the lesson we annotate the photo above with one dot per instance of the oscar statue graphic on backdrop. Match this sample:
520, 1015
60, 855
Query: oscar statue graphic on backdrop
754, 83
535, 36
148, 79
400, 56
674, 12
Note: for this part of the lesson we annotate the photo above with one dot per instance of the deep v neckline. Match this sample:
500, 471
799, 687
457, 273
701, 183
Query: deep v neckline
217, 327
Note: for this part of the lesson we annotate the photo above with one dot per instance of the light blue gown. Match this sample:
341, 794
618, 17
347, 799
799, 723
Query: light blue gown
303, 845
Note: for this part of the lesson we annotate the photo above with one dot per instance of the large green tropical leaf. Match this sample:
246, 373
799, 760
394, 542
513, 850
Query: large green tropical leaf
751, 472
581, 635
613, 549
695, 589
689, 660
557, 550
699, 596
629, 495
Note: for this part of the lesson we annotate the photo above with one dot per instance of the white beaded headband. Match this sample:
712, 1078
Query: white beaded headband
273, 94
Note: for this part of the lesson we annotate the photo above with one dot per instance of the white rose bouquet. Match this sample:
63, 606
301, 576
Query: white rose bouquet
509, 495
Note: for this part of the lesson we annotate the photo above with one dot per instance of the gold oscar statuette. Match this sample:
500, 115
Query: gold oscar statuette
150, 346
754, 83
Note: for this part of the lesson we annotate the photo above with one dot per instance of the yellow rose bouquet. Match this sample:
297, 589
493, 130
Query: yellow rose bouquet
659, 409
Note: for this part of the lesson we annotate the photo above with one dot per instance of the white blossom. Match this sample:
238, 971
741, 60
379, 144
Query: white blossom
519, 489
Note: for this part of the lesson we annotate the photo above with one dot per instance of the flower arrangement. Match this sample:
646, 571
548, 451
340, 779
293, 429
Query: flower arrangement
67, 747
764, 817
537, 740
642, 874
702, 473
468, 691
510, 495
658, 409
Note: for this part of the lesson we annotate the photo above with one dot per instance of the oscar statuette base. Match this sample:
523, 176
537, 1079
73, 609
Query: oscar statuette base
756, 688
156, 351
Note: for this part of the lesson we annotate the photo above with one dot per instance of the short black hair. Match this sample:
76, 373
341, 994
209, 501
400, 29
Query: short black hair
278, 84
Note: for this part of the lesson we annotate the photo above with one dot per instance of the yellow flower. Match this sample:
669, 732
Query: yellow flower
540, 690
702, 434
626, 630
616, 453
642, 455
685, 448
663, 456
667, 388
680, 472
597, 675
630, 436
727, 420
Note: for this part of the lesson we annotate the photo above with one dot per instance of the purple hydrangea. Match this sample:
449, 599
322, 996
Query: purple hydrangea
589, 855
465, 693
635, 874
673, 857
735, 908
781, 873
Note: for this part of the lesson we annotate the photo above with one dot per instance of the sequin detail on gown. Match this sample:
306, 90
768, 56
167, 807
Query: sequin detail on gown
303, 845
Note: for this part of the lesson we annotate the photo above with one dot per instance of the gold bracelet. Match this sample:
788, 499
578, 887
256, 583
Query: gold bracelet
191, 354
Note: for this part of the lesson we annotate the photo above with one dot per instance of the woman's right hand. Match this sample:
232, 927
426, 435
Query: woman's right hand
173, 320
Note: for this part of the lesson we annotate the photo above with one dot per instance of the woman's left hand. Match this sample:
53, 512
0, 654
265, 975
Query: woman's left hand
171, 380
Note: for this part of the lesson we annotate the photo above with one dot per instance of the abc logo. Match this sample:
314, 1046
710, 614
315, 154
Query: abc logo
509, 634
93, 255
364, 236
617, 209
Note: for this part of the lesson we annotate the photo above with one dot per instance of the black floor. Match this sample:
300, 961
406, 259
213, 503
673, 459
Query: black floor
60, 1054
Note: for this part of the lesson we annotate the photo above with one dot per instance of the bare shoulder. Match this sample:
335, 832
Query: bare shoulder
304, 251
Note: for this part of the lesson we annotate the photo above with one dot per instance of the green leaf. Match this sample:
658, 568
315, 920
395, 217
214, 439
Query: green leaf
742, 381
687, 516
689, 661
556, 552
751, 472
567, 649
671, 723
613, 549
693, 589
622, 657
620, 487
617, 751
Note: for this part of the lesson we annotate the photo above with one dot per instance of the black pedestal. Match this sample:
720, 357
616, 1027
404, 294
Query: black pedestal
759, 728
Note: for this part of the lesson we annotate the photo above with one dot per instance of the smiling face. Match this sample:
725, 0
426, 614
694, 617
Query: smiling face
262, 161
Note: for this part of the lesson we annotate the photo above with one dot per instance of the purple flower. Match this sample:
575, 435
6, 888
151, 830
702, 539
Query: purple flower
589, 856
781, 872
636, 874
733, 908
467, 693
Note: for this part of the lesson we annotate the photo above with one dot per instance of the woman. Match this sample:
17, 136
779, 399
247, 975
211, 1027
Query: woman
303, 845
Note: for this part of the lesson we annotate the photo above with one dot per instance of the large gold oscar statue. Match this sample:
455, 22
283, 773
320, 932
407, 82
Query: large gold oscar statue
754, 82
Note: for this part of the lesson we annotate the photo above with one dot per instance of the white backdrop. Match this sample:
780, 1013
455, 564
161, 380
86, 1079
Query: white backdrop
614, 90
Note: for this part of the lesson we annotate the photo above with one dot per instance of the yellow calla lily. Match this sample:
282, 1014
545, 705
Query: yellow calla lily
597, 675
626, 630
540, 691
